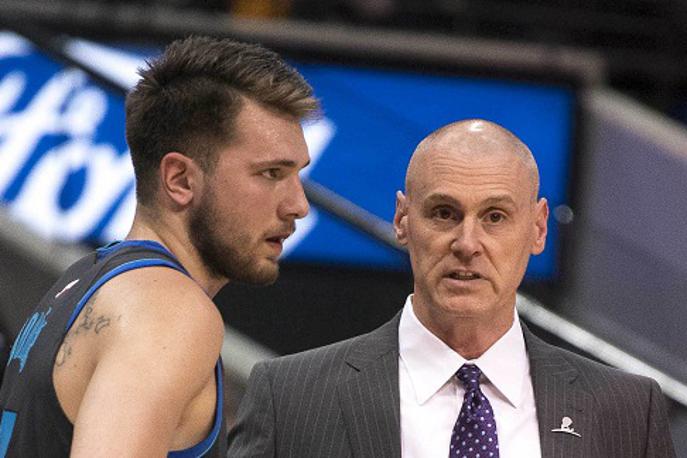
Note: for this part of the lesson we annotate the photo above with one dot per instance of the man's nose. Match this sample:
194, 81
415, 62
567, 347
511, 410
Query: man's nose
296, 204
466, 241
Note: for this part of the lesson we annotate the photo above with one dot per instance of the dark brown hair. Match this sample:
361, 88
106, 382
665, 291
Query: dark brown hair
187, 101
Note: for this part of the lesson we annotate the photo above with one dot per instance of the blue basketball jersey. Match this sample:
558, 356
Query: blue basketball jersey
32, 422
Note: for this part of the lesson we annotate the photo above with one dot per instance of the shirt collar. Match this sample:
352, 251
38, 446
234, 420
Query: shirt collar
506, 365
431, 363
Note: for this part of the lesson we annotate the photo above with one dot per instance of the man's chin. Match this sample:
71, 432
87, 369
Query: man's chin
266, 273
463, 306
270, 278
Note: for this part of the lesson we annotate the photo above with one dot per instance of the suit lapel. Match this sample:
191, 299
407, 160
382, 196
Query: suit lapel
370, 399
559, 393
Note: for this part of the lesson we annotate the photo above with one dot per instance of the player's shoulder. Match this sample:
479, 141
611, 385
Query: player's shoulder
151, 288
160, 301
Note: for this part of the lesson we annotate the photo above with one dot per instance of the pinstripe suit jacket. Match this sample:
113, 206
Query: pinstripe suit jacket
343, 401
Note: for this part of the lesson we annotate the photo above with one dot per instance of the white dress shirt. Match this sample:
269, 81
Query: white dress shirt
431, 396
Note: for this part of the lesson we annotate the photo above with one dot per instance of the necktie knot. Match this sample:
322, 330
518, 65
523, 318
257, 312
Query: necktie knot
469, 374
474, 433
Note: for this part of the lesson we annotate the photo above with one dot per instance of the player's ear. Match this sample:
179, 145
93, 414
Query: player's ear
180, 177
541, 218
401, 218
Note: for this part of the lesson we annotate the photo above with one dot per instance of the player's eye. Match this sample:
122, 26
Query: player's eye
272, 173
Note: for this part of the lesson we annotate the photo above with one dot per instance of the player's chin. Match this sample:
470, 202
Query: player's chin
266, 272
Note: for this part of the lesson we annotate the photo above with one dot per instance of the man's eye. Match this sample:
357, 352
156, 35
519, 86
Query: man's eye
443, 213
495, 217
272, 173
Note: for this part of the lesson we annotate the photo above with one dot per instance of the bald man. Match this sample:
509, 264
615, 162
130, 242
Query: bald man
455, 373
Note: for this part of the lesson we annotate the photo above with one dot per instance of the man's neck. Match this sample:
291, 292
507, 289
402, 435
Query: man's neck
173, 236
468, 336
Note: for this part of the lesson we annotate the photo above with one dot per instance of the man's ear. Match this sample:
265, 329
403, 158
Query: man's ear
401, 218
541, 219
180, 178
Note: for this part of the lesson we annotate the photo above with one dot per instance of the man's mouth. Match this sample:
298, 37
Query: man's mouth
278, 239
275, 239
464, 275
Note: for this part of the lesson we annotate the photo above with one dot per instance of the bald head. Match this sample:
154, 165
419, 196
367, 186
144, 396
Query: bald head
472, 139
470, 219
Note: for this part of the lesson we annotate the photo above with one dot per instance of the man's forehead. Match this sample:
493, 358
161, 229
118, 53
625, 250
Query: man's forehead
474, 140
492, 198
445, 164
471, 145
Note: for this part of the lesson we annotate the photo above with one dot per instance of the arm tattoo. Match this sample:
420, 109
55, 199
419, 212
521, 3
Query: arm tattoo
87, 321
101, 323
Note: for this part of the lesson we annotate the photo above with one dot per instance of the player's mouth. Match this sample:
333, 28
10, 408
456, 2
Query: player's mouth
277, 241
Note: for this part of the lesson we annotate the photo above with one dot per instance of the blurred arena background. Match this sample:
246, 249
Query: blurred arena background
598, 90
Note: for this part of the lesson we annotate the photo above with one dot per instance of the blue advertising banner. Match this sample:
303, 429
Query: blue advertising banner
67, 174
66, 170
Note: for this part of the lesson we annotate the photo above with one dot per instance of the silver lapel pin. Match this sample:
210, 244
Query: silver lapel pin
565, 427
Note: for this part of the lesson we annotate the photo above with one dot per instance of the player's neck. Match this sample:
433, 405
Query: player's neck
173, 236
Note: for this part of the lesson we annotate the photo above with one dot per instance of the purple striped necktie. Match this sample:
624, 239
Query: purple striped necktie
474, 434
